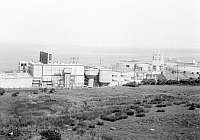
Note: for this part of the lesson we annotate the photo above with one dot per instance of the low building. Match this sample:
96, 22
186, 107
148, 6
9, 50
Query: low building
15, 80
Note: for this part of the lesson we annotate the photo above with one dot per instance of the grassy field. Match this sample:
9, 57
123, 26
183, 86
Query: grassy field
118, 113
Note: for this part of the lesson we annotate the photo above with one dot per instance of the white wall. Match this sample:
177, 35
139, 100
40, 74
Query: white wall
16, 83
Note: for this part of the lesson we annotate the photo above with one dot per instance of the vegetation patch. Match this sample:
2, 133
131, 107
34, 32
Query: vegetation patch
50, 135
114, 117
160, 110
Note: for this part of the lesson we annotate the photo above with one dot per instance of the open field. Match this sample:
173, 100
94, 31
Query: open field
118, 113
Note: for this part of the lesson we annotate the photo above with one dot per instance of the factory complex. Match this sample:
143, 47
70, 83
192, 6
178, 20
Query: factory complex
46, 73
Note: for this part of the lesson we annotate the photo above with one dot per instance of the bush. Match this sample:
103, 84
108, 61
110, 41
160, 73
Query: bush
140, 114
168, 104
161, 105
130, 112
13, 133
139, 110
15, 94
114, 117
50, 135
2, 91
43, 89
179, 102
147, 106
149, 82
35, 92
156, 101
91, 125
52, 90
160, 110
172, 82
88, 115
99, 122
191, 108
131, 84
108, 137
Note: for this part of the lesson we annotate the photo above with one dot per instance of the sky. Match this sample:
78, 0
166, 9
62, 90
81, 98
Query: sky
91, 29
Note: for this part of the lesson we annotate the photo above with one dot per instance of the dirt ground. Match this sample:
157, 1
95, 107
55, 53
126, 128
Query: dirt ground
170, 113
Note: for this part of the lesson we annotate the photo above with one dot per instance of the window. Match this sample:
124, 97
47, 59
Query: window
154, 67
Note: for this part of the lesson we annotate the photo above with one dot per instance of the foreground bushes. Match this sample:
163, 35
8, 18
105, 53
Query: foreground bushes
149, 82
50, 135
163, 81
131, 84
2, 91
114, 117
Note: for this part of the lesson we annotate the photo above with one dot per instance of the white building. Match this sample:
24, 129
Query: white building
57, 74
15, 80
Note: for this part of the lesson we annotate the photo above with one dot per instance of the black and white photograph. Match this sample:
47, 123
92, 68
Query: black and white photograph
99, 70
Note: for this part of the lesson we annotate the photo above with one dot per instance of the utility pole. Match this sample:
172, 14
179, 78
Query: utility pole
177, 72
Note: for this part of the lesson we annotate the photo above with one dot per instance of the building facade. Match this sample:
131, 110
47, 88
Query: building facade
57, 75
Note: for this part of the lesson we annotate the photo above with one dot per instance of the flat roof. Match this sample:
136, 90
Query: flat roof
55, 64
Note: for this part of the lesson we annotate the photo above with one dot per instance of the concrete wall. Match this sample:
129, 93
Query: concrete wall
105, 75
16, 83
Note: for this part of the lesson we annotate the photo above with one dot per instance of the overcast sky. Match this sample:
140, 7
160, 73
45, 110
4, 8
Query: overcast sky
97, 25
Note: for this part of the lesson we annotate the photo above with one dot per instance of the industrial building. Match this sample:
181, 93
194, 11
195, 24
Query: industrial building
136, 71
48, 74
57, 75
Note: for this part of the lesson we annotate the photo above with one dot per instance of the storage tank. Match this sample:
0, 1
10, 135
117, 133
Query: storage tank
91, 73
105, 75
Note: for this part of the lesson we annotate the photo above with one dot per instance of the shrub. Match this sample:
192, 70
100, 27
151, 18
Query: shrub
191, 108
114, 117
140, 114
161, 105
179, 102
52, 90
99, 122
156, 101
149, 82
147, 106
81, 131
168, 104
172, 82
13, 133
43, 89
131, 84
15, 94
160, 110
139, 110
108, 137
130, 112
35, 92
2, 91
91, 125
51, 135
88, 115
